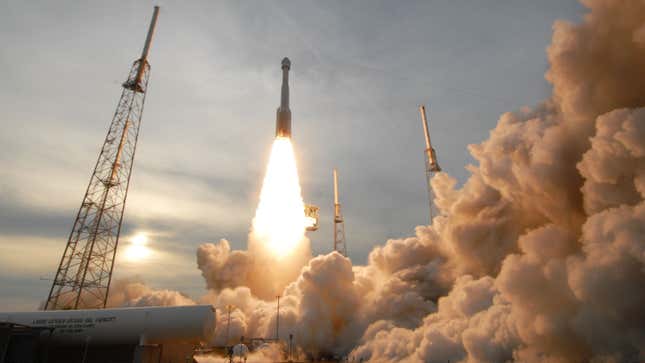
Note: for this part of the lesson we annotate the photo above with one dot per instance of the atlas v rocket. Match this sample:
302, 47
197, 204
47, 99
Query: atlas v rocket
283, 117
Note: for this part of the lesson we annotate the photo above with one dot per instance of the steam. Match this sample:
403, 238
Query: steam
131, 292
538, 257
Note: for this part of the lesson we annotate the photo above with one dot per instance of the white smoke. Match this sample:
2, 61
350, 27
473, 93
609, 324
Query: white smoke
551, 220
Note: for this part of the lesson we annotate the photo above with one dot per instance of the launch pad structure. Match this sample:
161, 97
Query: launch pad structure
340, 244
75, 325
85, 269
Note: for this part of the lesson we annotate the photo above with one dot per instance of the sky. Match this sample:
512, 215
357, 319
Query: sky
359, 70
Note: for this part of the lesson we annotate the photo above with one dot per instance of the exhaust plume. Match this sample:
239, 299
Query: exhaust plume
277, 245
279, 221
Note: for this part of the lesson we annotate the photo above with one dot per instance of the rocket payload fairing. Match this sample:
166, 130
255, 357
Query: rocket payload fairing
283, 116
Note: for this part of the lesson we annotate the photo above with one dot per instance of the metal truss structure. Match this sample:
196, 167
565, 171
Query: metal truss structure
340, 244
85, 270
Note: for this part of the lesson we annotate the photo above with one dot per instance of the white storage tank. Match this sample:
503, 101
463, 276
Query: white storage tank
141, 325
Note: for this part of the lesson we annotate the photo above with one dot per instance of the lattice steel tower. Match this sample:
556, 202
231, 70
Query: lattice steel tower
340, 244
432, 166
85, 270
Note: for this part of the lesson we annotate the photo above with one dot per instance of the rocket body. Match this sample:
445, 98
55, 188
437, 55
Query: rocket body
283, 114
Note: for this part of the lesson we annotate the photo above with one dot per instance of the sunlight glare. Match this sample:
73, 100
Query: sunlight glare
137, 250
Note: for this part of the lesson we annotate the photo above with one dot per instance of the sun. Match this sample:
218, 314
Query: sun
137, 249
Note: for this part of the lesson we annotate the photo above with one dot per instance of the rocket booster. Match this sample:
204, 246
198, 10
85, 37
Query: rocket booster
283, 116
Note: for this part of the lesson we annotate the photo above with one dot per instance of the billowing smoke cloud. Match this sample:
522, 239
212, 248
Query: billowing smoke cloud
538, 257
546, 240
128, 292
256, 268
223, 268
132, 292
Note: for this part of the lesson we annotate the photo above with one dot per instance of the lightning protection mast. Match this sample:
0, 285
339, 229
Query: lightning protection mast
432, 166
85, 270
340, 244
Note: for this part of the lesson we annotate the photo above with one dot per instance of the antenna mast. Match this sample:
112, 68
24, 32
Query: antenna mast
85, 270
432, 166
340, 244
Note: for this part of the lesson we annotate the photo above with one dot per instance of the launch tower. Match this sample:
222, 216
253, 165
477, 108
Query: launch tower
340, 244
432, 166
85, 270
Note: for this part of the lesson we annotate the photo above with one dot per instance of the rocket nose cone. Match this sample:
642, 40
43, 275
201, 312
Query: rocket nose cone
286, 63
